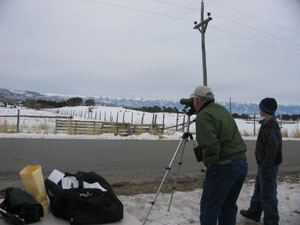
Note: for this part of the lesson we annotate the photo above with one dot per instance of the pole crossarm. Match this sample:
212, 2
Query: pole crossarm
203, 25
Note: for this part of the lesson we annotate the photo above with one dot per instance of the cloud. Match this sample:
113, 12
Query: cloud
150, 49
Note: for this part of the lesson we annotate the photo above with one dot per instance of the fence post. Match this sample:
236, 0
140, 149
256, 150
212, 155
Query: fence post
254, 124
131, 117
117, 117
153, 115
142, 122
128, 129
163, 123
117, 128
123, 117
183, 123
177, 122
18, 121
56, 126
75, 127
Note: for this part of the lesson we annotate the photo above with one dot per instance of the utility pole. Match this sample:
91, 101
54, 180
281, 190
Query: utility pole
202, 28
230, 105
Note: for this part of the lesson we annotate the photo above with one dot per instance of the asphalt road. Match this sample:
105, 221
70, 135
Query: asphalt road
115, 160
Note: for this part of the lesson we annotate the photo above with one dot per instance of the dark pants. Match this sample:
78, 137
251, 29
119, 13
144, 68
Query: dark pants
265, 196
221, 189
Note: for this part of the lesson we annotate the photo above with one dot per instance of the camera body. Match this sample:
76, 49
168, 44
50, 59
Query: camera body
198, 153
188, 104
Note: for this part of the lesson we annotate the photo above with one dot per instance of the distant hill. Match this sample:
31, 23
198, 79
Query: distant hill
17, 96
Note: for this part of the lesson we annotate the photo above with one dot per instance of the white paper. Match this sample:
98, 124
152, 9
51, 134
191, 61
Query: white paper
69, 182
56, 176
94, 185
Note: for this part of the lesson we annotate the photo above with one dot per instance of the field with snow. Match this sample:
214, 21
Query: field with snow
45, 127
185, 205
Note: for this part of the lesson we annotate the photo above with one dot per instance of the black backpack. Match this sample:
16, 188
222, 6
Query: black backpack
18, 202
84, 206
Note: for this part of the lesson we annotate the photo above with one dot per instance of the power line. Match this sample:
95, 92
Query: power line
174, 4
250, 39
134, 9
253, 28
255, 17
233, 21
184, 19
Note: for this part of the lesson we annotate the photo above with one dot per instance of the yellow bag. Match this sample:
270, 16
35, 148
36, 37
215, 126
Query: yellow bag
33, 181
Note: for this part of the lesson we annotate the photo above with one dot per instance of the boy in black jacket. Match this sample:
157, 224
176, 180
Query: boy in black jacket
268, 154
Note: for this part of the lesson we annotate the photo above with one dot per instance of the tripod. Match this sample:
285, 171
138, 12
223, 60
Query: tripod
182, 143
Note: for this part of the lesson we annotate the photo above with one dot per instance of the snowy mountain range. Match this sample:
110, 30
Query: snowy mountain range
17, 96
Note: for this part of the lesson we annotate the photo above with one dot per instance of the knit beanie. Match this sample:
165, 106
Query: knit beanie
268, 105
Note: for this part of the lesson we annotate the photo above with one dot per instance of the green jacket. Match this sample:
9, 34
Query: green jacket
218, 136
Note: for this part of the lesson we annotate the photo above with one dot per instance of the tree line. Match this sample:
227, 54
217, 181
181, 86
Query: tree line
40, 104
154, 109
293, 117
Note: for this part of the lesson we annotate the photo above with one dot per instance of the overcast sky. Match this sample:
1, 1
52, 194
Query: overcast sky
149, 49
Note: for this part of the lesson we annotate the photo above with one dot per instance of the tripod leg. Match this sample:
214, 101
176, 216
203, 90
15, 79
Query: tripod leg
164, 178
177, 174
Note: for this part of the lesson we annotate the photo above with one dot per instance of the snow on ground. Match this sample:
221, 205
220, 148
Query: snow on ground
185, 206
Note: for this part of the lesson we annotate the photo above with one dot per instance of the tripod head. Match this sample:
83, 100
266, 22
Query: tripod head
187, 136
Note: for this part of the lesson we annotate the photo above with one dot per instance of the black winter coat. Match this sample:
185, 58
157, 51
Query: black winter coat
268, 150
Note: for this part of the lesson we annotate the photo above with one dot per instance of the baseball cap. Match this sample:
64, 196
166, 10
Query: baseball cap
203, 91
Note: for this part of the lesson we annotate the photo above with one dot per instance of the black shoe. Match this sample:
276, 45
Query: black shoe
249, 215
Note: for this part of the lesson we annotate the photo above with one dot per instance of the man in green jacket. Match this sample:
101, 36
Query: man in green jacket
224, 155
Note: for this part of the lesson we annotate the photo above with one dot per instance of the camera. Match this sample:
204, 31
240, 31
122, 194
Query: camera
188, 104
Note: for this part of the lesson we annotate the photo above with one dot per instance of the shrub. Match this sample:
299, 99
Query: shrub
3, 127
140, 129
113, 128
284, 133
153, 131
246, 133
295, 133
98, 129
70, 131
44, 127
